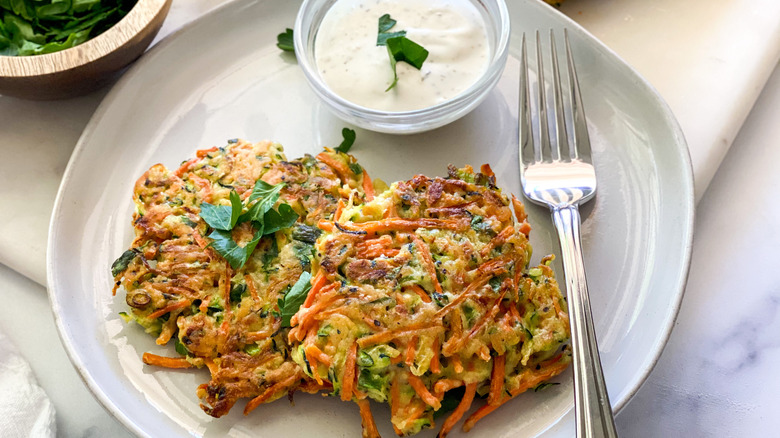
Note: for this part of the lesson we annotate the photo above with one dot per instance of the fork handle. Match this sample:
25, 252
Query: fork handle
592, 410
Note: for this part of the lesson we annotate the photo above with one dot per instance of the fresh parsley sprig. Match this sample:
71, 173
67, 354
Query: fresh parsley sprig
349, 139
399, 47
284, 41
36, 27
291, 301
259, 212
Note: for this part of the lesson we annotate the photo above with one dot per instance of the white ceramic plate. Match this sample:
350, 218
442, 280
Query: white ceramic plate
222, 77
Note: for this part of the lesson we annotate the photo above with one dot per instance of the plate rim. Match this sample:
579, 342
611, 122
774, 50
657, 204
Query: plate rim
682, 152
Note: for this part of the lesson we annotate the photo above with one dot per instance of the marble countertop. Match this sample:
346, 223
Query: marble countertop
715, 377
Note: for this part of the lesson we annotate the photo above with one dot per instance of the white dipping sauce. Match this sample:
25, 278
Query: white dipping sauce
355, 68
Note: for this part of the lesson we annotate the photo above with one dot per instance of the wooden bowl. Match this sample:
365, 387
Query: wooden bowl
88, 66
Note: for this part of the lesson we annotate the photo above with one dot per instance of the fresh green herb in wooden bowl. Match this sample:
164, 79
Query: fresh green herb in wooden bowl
78, 45
36, 27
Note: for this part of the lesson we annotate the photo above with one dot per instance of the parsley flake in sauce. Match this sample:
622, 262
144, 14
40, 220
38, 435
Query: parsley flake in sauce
399, 47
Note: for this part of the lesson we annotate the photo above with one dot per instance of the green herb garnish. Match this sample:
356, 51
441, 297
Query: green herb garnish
386, 23
294, 298
259, 212
399, 47
284, 40
349, 139
543, 386
222, 217
120, 264
36, 27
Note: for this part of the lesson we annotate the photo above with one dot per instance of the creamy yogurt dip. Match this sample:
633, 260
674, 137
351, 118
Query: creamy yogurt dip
355, 68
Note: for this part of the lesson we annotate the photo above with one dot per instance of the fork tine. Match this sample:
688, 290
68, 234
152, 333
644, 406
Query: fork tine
544, 129
561, 150
527, 153
581, 149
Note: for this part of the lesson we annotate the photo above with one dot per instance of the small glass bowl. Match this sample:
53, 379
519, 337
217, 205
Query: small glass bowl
496, 17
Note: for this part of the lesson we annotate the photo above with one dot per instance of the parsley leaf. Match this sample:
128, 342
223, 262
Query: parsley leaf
406, 50
386, 23
35, 27
349, 139
235, 254
292, 300
263, 190
120, 264
274, 221
264, 219
284, 41
266, 196
399, 47
222, 217
395, 72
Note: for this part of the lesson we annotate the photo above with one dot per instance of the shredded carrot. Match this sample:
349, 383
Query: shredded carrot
250, 283
435, 364
457, 414
486, 170
487, 271
200, 153
317, 284
497, 380
399, 224
529, 379
262, 334
456, 343
395, 399
372, 323
169, 308
165, 362
445, 385
341, 168
204, 304
425, 253
514, 312
369, 427
410, 347
519, 210
476, 284
388, 335
168, 329
456, 364
349, 374
319, 355
373, 248
325, 225
269, 393
213, 368
300, 321
422, 391
421, 292
525, 228
368, 187
339, 208
497, 241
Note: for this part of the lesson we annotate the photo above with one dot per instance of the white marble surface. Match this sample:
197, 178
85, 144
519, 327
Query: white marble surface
716, 376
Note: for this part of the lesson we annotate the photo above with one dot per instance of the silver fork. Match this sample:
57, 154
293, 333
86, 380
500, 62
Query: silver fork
561, 176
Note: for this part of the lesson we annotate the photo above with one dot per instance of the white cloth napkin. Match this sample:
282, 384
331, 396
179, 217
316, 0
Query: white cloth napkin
25, 409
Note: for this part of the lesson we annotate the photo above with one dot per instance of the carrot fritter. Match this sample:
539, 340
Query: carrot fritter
425, 289
179, 287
